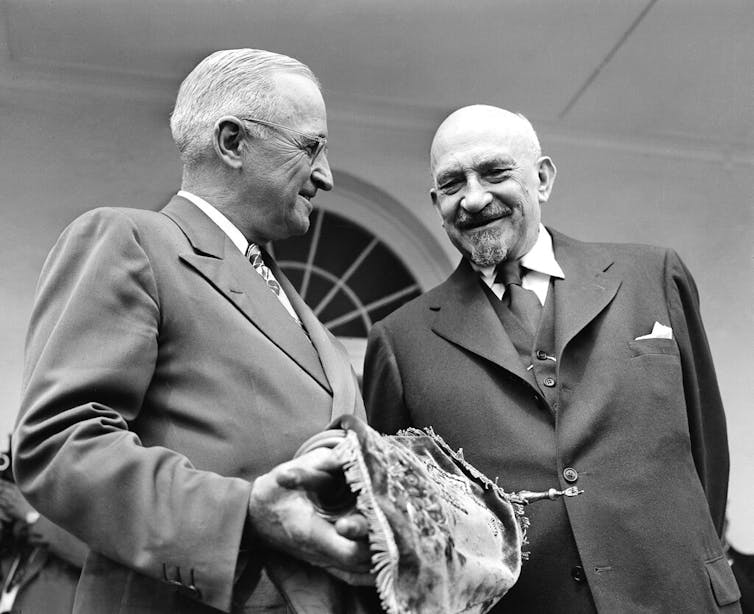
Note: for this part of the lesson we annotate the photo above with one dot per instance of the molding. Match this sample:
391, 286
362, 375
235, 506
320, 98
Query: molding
94, 81
400, 115
378, 112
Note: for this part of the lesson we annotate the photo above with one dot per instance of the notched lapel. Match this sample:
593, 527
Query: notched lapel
249, 293
215, 258
464, 316
589, 286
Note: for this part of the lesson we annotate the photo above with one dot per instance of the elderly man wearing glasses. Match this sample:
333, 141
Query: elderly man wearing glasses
172, 370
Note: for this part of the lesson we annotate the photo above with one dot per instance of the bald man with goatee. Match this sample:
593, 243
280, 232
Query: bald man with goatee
558, 363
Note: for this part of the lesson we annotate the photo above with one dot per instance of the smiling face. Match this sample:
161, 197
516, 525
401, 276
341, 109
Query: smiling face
279, 179
489, 183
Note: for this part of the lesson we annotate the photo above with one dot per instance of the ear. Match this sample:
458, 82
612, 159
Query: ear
435, 202
546, 171
228, 139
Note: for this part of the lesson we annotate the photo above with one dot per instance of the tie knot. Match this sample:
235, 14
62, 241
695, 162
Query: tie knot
509, 272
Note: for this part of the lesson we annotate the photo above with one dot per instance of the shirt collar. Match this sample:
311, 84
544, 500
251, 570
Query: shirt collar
218, 218
540, 258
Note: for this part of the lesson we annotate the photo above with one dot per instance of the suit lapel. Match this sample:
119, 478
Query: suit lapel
216, 258
589, 286
332, 355
465, 317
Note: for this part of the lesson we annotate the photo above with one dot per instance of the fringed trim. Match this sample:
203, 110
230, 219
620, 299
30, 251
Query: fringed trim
518, 507
381, 541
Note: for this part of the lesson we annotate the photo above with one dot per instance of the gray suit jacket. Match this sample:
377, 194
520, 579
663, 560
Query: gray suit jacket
640, 421
162, 376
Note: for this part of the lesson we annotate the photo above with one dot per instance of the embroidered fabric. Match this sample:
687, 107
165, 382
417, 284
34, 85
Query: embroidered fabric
444, 538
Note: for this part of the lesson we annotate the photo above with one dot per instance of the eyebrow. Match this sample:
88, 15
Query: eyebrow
480, 163
448, 174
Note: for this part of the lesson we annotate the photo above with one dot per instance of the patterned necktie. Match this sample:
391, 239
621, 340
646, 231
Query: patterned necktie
524, 304
254, 254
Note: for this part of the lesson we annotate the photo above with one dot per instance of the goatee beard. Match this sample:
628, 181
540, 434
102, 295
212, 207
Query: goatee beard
487, 249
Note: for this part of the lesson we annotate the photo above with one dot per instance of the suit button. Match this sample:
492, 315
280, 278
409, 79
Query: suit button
549, 382
578, 574
541, 355
570, 474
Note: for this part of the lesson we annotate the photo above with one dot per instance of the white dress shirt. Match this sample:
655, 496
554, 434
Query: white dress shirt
540, 264
235, 235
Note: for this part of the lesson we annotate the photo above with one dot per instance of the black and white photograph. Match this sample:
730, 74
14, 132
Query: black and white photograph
377, 307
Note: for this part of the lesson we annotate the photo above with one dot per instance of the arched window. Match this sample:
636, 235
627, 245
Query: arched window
364, 256
346, 275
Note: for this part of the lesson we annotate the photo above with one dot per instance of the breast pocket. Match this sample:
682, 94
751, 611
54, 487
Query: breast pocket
645, 347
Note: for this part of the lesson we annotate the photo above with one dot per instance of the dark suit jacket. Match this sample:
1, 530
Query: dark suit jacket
162, 376
640, 421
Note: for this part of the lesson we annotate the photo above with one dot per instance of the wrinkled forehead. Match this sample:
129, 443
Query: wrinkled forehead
299, 99
468, 143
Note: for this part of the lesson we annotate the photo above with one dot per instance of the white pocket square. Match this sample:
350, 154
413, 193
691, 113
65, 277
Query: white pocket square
659, 331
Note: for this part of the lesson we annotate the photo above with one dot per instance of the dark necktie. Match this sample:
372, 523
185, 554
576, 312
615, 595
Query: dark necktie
524, 304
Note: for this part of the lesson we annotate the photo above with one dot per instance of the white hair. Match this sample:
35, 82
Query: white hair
230, 82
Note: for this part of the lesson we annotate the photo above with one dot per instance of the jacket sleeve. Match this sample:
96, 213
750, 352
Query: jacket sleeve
61, 543
707, 426
91, 353
383, 388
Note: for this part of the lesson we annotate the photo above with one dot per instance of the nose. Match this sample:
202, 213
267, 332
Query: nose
476, 197
321, 173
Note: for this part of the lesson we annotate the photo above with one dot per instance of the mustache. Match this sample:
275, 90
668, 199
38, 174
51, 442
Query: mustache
493, 211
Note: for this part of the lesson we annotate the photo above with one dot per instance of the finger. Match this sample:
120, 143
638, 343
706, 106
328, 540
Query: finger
305, 478
323, 459
338, 551
353, 526
311, 471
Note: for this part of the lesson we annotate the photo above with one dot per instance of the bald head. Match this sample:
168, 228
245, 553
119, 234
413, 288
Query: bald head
490, 181
475, 120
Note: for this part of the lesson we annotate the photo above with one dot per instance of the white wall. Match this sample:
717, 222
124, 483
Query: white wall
63, 152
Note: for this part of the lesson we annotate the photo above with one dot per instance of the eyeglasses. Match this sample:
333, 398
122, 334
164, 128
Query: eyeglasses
314, 145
